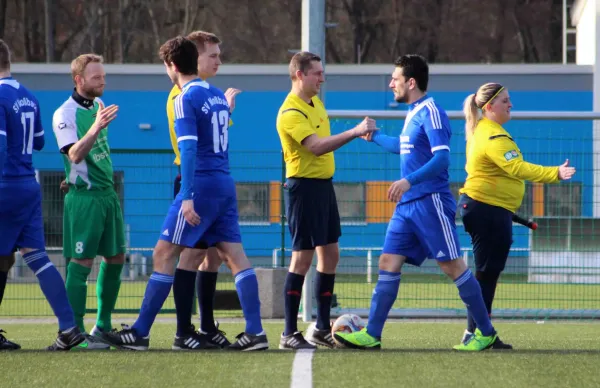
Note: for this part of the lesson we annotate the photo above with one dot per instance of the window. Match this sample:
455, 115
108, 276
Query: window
53, 203
351, 201
253, 202
564, 200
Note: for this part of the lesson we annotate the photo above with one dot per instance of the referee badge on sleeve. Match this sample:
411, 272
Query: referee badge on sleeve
511, 155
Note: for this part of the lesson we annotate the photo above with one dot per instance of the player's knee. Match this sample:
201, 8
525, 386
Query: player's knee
118, 259
301, 261
453, 268
391, 263
6, 262
164, 256
212, 262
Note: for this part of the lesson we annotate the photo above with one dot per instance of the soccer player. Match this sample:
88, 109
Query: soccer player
311, 206
205, 210
199, 264
21, 222
494, 188
423, 223
92, 219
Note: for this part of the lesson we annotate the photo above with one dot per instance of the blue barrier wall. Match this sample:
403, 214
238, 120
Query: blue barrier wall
254, 151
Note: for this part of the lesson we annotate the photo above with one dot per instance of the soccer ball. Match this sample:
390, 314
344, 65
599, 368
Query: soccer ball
347, 323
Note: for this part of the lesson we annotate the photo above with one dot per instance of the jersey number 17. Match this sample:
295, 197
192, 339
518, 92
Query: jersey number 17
27, 120
220, 124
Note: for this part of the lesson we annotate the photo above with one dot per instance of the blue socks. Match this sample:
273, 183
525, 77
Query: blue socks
470, 293
384, 296
157, 291
246, 285
52, 286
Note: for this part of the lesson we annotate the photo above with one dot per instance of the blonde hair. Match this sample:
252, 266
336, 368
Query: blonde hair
79, 64
202, 38
475, 102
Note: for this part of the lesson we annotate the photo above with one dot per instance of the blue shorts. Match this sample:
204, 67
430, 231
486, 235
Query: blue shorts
21, 222
215, 201
424, 229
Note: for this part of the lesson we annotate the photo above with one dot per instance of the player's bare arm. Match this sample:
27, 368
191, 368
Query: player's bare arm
82, 148
322, 145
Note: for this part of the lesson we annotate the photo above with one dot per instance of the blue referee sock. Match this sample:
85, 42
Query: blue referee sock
384, 296
246, 285
157, 291
470, 293
52, 286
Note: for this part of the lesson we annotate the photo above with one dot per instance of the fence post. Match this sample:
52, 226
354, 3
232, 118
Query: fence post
369, 266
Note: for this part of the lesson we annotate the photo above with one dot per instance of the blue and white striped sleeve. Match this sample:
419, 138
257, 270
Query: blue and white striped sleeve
3, 140
185, 118
437, 127
187, 141
38, 132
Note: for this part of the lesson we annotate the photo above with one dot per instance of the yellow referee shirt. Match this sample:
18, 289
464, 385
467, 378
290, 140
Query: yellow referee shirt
295, 122
171, 117
496, 170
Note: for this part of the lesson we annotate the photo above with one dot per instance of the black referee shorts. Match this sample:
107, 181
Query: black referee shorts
490, 228
312, 212
176, 185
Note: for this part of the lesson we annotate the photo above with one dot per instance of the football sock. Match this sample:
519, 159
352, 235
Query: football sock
324, 291
184, 283
247, 289
157, 291
108, 285
77, 290
470, 293
384, 296
293, 293
52, 286
488, 282
3, 279
206, 286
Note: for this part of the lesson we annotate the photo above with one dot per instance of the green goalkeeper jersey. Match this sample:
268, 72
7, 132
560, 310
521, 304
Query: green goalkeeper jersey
70, 123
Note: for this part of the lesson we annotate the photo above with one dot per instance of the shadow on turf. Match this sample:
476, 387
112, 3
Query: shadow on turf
327, 351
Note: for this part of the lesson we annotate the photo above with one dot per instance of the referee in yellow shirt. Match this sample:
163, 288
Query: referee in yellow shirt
198, 267
311, 206
494, 188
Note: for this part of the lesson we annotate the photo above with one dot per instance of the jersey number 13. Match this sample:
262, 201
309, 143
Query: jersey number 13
220, 124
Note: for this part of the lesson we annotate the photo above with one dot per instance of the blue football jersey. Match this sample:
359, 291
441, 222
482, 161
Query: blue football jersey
21, 125
426, 130
202, 114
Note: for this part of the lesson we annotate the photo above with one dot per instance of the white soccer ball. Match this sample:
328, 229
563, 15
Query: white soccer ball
347, 323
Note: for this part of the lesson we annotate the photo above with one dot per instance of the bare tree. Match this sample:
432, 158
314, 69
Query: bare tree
3, 8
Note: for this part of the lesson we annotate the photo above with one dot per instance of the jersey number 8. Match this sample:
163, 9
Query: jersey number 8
220, 124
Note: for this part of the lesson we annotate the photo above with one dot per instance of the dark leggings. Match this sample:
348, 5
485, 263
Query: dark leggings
490, 228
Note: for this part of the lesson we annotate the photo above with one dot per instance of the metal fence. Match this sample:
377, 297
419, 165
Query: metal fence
551, 272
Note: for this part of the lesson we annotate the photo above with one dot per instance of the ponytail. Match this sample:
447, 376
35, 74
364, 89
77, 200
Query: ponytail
471, 113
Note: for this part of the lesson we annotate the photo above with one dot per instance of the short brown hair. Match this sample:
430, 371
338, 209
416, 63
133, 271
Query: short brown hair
302, 61
182, 53
202, 38
4, 56
79, 64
